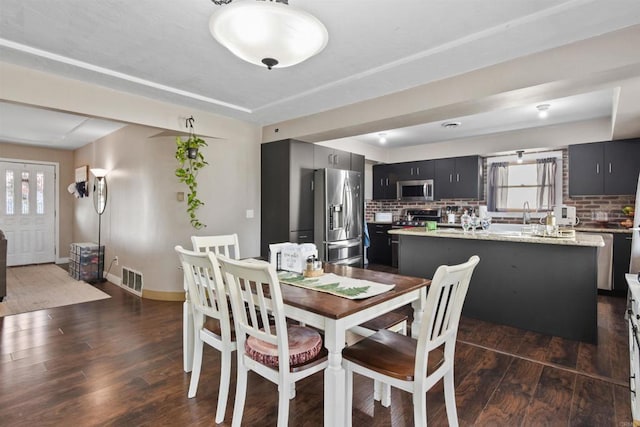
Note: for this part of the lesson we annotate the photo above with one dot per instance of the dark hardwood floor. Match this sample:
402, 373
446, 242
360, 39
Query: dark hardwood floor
119, 362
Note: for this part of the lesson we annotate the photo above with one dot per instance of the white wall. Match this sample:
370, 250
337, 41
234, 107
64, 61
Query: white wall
143, 220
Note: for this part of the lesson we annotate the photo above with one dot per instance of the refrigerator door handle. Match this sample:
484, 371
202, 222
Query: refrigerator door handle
346, 189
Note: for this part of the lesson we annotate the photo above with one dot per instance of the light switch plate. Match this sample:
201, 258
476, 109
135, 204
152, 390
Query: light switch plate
249, 213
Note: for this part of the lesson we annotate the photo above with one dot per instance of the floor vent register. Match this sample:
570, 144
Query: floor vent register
132, 281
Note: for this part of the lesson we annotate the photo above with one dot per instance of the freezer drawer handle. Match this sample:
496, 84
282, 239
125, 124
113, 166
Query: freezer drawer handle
344, 245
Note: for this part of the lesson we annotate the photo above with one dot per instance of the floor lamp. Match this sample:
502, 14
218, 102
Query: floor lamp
99, 203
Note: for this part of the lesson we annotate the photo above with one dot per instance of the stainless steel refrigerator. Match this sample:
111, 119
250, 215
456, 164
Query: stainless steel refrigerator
338, 218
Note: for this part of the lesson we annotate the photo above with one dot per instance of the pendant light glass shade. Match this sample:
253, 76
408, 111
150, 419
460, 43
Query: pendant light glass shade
268, 33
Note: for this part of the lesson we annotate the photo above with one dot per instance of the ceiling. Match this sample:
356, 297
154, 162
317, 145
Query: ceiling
164, 51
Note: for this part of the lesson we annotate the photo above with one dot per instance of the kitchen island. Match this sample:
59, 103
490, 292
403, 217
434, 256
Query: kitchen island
542, 284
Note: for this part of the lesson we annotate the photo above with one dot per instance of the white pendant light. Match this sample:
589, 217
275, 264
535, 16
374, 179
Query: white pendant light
270, 33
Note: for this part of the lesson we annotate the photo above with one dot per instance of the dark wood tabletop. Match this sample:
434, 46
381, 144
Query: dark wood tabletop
335, 307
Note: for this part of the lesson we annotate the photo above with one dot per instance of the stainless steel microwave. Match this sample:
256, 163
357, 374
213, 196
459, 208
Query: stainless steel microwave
417, 190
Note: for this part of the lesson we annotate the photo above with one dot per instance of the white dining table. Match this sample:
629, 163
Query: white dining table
335, 316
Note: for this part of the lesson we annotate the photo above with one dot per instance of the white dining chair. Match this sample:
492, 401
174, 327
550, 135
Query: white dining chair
280, 353
415, 365
208, 300
392, 321
225, 244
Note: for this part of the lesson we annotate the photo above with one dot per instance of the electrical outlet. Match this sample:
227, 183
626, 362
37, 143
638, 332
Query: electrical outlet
115, 260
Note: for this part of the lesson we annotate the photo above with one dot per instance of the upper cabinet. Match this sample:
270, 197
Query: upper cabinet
385, 179
604, 168
455, 178
357, 163
408, 171
458, 178
325, 157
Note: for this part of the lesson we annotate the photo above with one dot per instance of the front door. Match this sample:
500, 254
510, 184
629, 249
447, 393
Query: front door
27, 215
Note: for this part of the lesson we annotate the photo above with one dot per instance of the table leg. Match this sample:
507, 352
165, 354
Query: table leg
418, 312
334, 376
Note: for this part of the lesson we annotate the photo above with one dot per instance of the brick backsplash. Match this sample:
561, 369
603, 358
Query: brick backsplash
585, 205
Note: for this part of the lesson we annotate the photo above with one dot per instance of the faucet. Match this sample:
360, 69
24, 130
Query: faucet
526, 213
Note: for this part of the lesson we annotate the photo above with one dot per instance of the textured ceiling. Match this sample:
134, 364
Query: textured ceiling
163, 50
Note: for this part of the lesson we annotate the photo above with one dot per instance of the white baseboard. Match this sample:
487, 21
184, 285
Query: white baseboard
114, 279
63, 260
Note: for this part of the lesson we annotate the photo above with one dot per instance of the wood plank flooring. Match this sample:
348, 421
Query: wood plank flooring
119, 362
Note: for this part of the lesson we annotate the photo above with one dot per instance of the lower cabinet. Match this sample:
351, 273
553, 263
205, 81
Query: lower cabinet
621, 259
379, 251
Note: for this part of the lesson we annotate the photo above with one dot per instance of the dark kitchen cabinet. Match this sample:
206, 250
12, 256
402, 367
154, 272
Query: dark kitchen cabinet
621, 259
286, 193
409, 171
379, 251
330, 158
384, 182
604, 168
458, 178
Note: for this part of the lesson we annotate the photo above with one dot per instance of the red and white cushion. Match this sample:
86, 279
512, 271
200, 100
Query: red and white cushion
304, 345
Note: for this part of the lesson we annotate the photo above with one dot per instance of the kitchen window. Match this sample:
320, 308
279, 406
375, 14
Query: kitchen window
536, 181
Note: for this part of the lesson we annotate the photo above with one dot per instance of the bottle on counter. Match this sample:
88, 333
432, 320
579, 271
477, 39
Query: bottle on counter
550, 222
465, 221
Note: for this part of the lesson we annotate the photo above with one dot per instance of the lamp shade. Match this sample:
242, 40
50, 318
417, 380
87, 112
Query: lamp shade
268, 33
98, 172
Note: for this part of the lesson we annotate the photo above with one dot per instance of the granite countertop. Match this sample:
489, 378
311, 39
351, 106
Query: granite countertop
596, 229
581, 239
581, 228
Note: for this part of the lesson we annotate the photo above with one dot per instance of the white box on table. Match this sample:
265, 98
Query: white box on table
291, 256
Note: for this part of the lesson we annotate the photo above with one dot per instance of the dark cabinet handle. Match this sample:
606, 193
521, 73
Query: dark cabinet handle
598, 168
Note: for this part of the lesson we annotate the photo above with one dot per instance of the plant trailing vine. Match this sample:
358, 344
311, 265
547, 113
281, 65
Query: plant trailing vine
190, 161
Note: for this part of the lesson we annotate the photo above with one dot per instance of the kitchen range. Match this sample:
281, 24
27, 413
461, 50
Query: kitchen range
411, 218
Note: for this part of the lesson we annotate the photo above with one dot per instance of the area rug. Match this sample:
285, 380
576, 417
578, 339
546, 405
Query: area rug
36, 287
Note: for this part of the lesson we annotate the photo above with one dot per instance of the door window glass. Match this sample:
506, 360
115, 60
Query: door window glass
40, 193
8, 179
25, 193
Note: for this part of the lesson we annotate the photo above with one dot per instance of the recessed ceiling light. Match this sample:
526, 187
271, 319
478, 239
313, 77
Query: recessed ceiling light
450, 125
543, 110
382, 138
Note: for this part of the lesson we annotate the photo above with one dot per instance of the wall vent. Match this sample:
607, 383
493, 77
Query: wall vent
132, 281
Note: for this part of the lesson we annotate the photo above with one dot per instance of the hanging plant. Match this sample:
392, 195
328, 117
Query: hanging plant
190, 161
